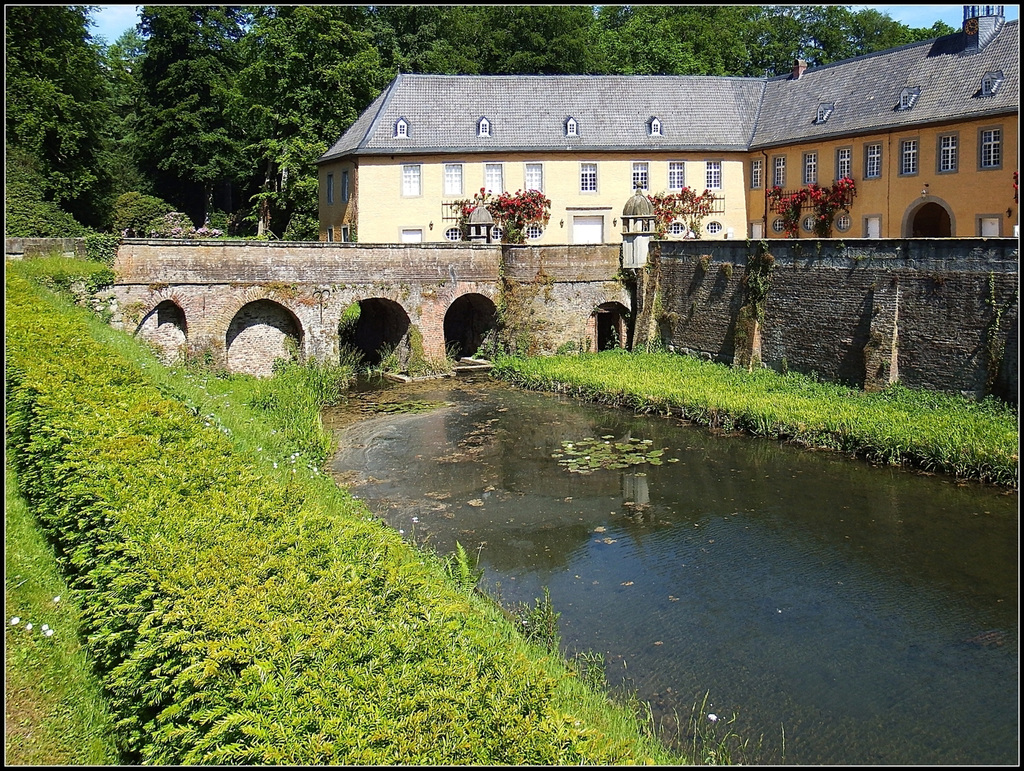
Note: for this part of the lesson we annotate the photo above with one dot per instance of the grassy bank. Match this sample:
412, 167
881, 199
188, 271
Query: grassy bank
238, 606
55, 714
920, 429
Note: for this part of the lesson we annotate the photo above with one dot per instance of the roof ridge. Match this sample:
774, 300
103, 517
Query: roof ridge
388, 94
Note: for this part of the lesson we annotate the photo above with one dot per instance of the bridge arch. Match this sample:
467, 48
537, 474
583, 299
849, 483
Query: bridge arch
261, 332
609, 325
374, 327
466, 323
166, 329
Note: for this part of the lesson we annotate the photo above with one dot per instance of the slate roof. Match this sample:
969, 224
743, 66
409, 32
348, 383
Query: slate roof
697, 113
866, 90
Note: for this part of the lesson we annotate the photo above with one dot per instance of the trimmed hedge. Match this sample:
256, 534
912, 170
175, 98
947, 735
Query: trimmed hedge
235, 618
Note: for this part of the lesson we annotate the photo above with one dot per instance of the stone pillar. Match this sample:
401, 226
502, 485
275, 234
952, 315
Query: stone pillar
881, 354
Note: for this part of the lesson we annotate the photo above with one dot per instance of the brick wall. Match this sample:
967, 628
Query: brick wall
829, 298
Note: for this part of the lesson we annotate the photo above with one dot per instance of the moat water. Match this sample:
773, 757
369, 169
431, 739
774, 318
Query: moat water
841, 613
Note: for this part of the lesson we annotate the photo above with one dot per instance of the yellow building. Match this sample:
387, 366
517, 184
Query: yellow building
928, 132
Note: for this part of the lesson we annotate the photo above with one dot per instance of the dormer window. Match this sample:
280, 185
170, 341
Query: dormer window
990, 83
655, 127
908, 98
401, 129
824, 111
483, 128
571, 127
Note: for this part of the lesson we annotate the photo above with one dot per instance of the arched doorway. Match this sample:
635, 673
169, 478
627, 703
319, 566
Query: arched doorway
467, 323
611, 329
374, 328
262, 332
164, 327
930, 220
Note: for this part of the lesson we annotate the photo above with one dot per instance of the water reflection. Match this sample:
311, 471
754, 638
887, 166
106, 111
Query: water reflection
848, 603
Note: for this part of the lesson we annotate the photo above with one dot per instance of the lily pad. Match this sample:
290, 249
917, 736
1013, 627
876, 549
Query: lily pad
589, 454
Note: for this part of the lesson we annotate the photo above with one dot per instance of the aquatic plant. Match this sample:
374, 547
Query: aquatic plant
590, 454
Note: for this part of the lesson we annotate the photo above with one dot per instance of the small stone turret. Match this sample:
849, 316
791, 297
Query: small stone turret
638, 223
480, 223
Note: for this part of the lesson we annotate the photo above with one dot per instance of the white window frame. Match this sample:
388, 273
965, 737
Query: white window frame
779, 171
756, 174
908, 157
641, 175
655, 127
535, 170
949, 154
483, 128
908, 98
490, 170
588, 176
873, 161
676, 175
990, 148
412, 180
990, 83
572, 127
811, 168
451, 170
844, 162
713, 175
401, 129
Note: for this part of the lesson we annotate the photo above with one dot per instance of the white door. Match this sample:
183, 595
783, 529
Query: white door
412, 236
990, 227
873, 226
757, 230
588, 230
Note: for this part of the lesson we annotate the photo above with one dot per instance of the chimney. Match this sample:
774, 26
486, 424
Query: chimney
798, 69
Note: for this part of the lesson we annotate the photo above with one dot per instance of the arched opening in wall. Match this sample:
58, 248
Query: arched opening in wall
467, 323
165, 329
372, 329
930, 220
611, 329
262, 332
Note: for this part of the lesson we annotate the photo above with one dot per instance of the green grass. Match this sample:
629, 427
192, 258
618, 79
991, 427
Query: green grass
55, 711
936, 432
356, 646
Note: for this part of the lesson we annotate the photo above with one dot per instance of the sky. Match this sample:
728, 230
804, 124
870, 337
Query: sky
112, 20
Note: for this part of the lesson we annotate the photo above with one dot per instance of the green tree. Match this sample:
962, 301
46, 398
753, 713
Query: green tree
57, 105
186, 139
121, 67
308, 71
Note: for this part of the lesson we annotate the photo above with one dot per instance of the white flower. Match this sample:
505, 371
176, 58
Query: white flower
48, 633
28, 626
712, 717
45, 627
56, 599
275, 464
15, 621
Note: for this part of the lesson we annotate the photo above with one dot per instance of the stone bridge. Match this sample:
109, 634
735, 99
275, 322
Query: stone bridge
244, 304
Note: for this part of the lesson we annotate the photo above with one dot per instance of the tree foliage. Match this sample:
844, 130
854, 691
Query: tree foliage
307, 72
57, 104
187, 77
